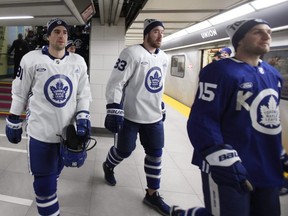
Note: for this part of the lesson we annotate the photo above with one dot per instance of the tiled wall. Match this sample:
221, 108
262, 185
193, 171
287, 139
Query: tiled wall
106, 43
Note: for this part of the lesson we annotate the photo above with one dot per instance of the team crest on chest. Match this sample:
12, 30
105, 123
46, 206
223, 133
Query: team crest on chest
153, 80
58, 90
264, 112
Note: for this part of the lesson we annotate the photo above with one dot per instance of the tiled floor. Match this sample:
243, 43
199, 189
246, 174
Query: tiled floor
83, 192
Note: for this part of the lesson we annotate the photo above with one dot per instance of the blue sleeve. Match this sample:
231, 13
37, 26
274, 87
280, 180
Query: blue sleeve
211, 101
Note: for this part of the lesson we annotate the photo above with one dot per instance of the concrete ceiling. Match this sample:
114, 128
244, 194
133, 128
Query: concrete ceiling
175, 15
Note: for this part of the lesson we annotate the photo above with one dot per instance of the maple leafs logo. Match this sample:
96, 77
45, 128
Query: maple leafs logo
155, 81
59, 91
270, 114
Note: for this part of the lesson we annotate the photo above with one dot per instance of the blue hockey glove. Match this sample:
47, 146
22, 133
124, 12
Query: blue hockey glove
226, 168
14, 128
163, 111
284, 161
83, 124
114, 118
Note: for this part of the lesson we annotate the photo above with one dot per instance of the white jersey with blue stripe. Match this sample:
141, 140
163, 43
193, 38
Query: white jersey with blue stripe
137, 82
52, 90
238, 104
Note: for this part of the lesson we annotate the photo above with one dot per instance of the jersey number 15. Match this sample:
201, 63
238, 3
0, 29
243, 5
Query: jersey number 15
206, 91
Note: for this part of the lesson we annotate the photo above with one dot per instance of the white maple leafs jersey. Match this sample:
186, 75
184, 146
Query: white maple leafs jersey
238, 104
52, 90
137, 82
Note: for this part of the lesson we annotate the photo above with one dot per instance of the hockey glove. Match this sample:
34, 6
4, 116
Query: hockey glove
114, 118
284, 161
163, 111
83, 124
14, 128
226, 168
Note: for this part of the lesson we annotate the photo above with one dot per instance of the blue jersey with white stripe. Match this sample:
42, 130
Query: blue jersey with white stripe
238, 104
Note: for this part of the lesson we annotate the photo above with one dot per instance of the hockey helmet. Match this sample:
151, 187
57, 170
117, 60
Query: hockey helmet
73, 148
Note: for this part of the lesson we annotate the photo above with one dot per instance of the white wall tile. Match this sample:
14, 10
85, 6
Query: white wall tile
106, 43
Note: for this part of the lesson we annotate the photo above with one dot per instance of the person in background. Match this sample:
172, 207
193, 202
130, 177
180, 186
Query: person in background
234, 127
81, 41
225, 52
20, 48
55, 87
71, 47
216, 56
134, 106
31, 39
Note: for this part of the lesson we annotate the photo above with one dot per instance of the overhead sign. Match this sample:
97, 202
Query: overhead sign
276, 16
88, 13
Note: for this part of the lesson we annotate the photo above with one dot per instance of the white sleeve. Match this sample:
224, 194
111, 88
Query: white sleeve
21, 87
83, 92
120, 75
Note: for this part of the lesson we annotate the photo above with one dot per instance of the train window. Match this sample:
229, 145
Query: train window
278, 57
178, 65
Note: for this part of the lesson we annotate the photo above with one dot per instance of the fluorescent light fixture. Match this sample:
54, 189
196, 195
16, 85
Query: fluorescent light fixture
231, 14
15, 17
134, 38
198, 26
260, 4
226, 16
175, 35
281, 28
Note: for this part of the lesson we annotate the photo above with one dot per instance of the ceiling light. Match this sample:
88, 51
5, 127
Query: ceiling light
260, 4
16, 17
231, 14
280, 28
198, 26
175, 35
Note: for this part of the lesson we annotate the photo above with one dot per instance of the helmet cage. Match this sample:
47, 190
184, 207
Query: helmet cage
73, 149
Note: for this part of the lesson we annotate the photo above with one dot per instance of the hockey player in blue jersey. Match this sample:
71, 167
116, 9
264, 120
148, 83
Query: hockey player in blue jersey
234, 127
53, 85
134, 105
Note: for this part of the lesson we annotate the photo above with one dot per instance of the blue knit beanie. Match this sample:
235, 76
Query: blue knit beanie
237, 30
54, 23
149, 24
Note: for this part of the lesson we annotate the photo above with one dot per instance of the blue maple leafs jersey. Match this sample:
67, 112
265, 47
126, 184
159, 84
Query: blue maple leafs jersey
238, 104
52, 90
137, 82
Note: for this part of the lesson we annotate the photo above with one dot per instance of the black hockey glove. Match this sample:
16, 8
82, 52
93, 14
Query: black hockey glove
14, 128
163, 109
284, 161
226, 168
83, 124
114, 118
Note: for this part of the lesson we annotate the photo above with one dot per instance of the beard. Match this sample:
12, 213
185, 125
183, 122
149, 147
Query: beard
261, 50
153, 43
258, 50
58, 47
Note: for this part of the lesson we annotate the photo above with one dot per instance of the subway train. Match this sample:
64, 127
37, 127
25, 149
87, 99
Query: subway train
190, 53
185, 64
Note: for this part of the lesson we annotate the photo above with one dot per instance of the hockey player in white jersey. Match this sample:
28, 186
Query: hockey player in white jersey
134, 105
53, 85
234, 127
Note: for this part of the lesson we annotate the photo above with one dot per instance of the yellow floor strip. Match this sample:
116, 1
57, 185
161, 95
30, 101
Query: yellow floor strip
183, 109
